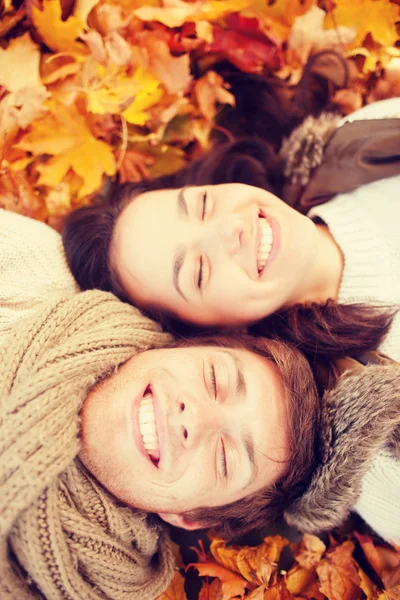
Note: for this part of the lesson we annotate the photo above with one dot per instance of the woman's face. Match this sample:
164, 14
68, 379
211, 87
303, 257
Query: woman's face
182, 428
228, 254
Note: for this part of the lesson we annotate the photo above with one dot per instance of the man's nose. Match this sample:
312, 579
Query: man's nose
194, 420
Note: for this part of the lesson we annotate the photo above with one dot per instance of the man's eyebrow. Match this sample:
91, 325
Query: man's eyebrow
241, 388
182, 204
178, 264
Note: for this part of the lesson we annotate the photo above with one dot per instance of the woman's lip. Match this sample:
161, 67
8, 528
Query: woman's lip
276, 243
137, 435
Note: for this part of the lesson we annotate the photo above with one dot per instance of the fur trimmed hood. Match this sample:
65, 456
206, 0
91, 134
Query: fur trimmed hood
359, 417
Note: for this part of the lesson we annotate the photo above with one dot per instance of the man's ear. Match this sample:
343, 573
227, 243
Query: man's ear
180, 521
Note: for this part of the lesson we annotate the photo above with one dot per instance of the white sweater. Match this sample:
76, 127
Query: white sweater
33, 267
365, 224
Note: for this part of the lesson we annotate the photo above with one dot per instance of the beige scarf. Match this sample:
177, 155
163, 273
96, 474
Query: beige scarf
62, 536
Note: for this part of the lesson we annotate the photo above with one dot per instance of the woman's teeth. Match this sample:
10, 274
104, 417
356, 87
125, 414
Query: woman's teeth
265, 245
148, 429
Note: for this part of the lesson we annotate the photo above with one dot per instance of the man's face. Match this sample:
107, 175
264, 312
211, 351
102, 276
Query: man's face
182, 428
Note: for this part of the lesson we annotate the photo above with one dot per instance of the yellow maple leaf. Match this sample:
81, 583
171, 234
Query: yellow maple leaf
59, 35
64, 134
377, 17
277, 18
149, 94
19, 64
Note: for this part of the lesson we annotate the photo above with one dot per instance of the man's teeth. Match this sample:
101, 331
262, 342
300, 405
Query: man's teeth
148, 429
265, 245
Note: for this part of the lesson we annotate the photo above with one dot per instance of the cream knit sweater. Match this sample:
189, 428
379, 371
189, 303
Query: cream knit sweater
33, 267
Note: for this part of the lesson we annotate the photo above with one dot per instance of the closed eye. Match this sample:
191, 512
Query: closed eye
213, 380
204, 209
200, 274
223, 460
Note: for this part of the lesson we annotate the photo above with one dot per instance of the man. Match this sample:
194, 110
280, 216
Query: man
183, 432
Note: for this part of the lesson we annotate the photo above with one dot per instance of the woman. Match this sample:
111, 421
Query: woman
233, 255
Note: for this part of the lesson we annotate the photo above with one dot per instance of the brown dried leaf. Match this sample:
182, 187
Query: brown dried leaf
309, 551
210, 92
211, 591
135, 166
338, 574
20, 109
367, 586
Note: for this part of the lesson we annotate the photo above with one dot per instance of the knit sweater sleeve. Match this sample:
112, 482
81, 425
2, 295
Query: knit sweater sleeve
33, 267
379, 503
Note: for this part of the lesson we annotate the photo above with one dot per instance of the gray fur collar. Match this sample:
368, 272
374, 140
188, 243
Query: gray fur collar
360, 416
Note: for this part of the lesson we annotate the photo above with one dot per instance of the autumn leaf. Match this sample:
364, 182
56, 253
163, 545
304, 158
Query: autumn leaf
173, 72
338, 574
367, 586
20, 109
64, 135
232, 584
21, 51
210, 92
175, 590
377, 17
175, 13
58, 35
134, 166
309, 551
149, 93
211, 591
307, 34
83, 8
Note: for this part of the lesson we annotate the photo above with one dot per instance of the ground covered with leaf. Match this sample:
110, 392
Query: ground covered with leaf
349, 566
100, 90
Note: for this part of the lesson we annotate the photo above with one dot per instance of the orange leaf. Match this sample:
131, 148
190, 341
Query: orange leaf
232, 584
57, 34
309, 551
369, 588
303, 582
175, 590
211, 591
338, 575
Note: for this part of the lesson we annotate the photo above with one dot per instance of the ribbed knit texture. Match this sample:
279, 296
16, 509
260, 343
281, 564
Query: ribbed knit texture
33, 267
60, 531
365, 224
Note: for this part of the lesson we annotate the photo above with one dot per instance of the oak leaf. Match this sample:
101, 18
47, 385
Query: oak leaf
19, 64
175, 590
65, 135
309, 551
210, 92
59, 35
376, 17
338, 574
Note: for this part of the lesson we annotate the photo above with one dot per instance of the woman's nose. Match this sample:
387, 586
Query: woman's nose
226, 235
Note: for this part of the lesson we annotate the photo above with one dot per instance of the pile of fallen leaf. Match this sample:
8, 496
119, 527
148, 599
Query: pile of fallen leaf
99, 89
316, 572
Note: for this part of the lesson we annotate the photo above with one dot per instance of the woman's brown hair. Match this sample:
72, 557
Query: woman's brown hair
299, 382
268, 109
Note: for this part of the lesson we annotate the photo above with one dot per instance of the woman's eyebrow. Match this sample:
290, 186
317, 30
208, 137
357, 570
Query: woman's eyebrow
182, 204
241, 388
179, 259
